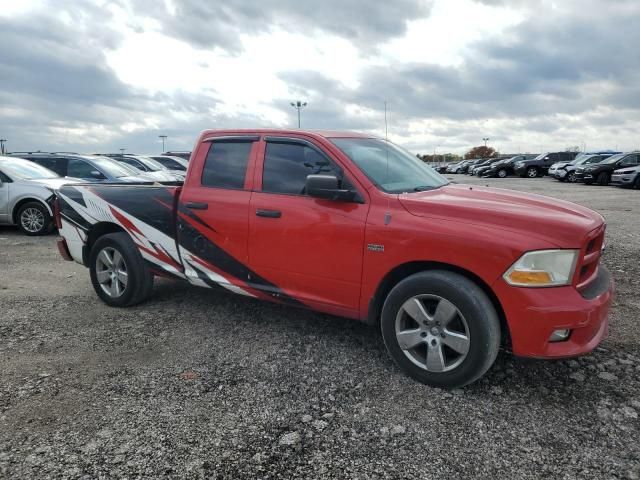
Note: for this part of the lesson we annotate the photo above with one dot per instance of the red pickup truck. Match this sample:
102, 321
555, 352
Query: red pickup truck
352, 225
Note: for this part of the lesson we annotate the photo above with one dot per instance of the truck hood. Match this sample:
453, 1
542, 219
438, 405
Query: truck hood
561, 223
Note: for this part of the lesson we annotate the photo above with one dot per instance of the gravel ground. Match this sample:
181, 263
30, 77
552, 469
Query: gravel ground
201, 384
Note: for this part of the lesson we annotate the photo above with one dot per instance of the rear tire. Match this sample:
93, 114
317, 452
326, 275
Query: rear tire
440, 328
118, 272
603, 179
34, 220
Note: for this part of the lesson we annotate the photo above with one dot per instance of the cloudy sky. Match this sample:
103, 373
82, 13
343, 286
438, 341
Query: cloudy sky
93, 76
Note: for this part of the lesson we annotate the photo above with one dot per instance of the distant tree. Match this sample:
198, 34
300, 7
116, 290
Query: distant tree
481, 152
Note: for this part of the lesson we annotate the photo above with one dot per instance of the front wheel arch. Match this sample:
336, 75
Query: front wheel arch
399, 273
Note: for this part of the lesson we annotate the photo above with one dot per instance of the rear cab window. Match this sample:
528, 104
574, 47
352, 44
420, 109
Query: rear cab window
226, 164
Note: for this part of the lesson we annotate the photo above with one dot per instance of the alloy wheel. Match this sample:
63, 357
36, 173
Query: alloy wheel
502, 173
32, 220
111, 272
432, 333
532, 173
571, 177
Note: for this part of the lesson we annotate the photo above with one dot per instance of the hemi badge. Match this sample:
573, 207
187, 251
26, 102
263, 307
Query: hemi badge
375, 247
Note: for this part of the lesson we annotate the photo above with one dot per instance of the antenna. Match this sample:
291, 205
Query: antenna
387, 215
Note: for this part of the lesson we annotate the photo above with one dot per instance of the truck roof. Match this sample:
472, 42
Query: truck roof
289, 131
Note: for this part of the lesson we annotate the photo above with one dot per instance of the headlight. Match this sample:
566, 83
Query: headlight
543, 268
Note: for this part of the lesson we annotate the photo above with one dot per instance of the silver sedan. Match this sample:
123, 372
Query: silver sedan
26, 196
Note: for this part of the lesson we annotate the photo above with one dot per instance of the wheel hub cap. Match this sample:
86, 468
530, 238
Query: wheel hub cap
111, 272
32, 220
432, 333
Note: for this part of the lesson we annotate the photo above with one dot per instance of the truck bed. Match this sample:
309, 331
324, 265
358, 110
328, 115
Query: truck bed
146, 212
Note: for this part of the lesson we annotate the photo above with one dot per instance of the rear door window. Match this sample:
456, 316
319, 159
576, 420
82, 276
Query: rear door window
226, 164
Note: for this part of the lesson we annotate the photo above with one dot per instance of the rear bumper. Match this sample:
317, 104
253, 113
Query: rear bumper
63, 249
533, 314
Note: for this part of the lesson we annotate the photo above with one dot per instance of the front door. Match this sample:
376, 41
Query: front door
213, 210
310, 248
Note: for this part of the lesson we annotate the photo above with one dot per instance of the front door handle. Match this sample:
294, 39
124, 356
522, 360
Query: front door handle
197, 205
268, 213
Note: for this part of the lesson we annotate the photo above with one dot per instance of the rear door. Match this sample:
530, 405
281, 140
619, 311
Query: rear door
310, 248
213, 211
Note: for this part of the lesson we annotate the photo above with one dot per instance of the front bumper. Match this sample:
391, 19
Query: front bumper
558, 174
586, 177
533, 314
622, 180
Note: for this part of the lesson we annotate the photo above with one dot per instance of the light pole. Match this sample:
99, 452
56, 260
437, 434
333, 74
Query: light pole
2, 142
298, 105
122, 151
486, 139
163, 137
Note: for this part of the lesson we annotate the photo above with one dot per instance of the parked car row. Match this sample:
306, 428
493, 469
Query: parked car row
601, 168
27, 178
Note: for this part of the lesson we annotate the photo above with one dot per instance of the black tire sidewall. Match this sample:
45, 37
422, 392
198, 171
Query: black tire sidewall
48, 221
138, 275
482, 321
603, 179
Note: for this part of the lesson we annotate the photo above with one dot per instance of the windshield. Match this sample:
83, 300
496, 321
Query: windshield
151, 164
390, 167
20, 169
614, 158
113, 168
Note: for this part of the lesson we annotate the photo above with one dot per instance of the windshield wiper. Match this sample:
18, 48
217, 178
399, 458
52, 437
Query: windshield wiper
423, 188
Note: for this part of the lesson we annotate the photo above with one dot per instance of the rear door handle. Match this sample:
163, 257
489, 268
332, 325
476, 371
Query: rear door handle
268, 213
197, 205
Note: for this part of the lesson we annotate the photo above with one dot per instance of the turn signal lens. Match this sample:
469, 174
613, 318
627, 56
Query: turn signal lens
530, 278
543, 268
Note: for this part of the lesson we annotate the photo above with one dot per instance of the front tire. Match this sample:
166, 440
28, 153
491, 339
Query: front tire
440, 328
34, 219
118, 272
502, 173
572, 177
603, 179
532, 172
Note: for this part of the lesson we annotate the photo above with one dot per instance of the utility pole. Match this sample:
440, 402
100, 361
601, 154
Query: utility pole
486, 139
298, 105
163, 137
2, 142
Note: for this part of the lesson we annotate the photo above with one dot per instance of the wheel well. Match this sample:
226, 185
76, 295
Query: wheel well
97, 231
403, 271
17, 206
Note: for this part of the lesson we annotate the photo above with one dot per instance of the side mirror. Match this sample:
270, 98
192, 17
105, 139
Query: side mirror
326, 186
97, 174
